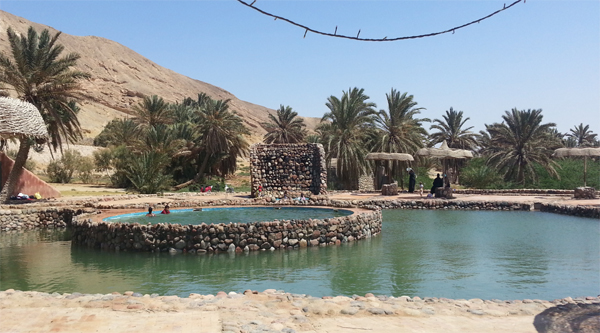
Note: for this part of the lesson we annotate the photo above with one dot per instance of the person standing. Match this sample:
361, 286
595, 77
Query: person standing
421, 189
412, 180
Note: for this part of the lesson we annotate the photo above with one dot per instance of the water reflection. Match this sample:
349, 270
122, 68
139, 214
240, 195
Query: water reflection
505, 255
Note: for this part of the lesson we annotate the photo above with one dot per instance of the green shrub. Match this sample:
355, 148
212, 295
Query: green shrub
85, 170
480, 176
62, 171
146, 173
103, 160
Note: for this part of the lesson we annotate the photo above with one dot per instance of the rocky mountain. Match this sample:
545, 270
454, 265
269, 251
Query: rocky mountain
120, 78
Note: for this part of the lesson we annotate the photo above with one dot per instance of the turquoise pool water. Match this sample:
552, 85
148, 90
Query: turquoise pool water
453, 254
230, 214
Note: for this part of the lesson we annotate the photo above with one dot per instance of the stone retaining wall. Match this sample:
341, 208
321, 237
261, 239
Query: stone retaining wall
281, 168
514, 192
238, 237
33, 218
593, 212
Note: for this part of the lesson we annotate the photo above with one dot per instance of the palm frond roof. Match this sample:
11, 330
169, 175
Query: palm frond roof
21, 119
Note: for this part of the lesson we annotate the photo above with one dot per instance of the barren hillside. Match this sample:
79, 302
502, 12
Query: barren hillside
121, 77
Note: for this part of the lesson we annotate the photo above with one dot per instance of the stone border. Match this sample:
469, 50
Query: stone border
232, 237
41, 216
582, 211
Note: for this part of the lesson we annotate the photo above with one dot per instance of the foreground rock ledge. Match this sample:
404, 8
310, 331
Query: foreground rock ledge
268, 311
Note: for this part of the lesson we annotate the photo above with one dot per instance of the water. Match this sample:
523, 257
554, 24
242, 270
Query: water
454, 254
230, 214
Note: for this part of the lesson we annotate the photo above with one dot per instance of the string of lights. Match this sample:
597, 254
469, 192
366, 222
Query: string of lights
384, 39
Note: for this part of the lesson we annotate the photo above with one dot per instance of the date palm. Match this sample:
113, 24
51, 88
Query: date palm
221, 139
582, 136
346, 129
520, 142
152, 111
285, 127
37, 73
400, 131
451, 129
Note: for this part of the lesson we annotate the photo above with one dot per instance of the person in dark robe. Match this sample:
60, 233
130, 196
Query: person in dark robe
437, 182
412, 180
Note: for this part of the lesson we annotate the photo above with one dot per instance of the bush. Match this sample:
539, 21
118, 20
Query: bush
85, 170
481, 176
62, 171
103, 160
146, 173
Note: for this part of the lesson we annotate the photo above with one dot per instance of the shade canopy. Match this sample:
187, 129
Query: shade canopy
444, 152
21, 119
576, 152
389, 157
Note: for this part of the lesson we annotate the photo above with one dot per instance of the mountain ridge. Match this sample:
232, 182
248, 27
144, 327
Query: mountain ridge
121, 77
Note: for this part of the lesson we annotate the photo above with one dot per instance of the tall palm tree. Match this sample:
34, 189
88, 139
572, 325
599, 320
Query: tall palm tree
118, 132
451, 130
38, 75
582, 135
153, 110
345, 130
285, 128
221, 139
400, 131
521, 141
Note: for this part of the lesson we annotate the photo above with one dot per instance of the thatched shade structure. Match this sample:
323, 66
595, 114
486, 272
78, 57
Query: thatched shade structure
578, 152
445, 153
21, 119
389, 157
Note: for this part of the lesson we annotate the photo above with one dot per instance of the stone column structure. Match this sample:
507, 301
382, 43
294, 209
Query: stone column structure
295, 169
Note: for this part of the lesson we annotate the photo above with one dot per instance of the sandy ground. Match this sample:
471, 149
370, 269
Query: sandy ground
267, 311
271, 311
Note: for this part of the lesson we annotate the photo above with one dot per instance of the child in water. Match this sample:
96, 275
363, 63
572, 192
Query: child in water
166, 210
150, 212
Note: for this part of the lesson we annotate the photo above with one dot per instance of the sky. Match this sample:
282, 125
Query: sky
540, 54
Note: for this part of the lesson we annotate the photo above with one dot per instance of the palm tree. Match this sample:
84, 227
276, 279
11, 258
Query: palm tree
451, 130
582, 135
37, 75
400, 131
345, 131
152, 111
221, 139
118, 132
285, 128
519, 142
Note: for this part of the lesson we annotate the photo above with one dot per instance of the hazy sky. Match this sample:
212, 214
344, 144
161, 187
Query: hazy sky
539, 54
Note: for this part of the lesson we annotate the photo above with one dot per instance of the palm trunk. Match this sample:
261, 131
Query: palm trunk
16, 171
196, 178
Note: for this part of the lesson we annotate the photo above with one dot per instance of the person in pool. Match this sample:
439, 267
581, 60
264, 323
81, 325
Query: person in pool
150, 212
166, 210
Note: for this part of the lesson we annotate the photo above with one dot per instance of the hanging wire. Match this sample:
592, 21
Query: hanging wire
385, 39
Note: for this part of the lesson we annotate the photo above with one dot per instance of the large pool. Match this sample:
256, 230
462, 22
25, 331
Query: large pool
453, 254
230, 214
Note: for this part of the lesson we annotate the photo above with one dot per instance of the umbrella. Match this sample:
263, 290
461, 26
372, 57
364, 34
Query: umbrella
389, 157
445, 153
578, 152
21, 119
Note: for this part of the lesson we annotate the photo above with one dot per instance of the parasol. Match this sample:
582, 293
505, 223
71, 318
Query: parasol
445, 153
578, 152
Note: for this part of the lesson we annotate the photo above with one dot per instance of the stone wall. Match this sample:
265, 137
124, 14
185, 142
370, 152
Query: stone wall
236, 237
366, 183
593, 212
298, 169
37, 218
514, 191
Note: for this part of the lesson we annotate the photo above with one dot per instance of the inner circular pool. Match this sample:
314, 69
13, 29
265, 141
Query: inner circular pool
453, 254
230, 214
